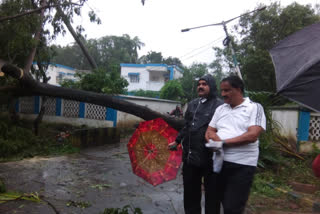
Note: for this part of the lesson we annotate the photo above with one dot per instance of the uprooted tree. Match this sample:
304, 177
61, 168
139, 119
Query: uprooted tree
17, 64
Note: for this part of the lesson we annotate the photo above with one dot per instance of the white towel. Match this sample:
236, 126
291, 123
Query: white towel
218, 154
217, 159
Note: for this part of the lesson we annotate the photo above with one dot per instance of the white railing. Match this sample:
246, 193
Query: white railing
314, 128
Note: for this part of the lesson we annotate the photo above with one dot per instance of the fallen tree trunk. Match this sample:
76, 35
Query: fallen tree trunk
29, 86
77, 38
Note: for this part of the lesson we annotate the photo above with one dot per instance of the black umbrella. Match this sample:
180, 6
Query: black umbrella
297, 65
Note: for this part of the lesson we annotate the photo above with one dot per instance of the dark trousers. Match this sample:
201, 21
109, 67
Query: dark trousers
235, 181
192, 180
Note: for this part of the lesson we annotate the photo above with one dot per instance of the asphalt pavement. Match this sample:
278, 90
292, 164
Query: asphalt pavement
88, 182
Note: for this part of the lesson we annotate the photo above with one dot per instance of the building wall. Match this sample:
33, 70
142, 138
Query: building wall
288, 121
78, 113
178, 73
299, 124
156, 80
59, 72
143, 77
151, 76
159, 105
71, 121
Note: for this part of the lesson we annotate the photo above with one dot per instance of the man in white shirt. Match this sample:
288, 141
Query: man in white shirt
235, 128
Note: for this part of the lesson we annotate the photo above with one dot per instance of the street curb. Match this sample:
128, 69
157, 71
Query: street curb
315, 205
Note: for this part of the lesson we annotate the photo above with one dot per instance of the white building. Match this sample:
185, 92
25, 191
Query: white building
58, 72
149, 76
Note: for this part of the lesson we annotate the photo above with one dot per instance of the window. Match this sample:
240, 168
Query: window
154, 78
134, 77
166, 77
59, 78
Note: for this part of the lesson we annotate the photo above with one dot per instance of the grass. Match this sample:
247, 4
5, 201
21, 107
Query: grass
264, 198
17, 140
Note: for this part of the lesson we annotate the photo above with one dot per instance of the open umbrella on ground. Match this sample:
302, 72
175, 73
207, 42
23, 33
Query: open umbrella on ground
297, 65
149, 154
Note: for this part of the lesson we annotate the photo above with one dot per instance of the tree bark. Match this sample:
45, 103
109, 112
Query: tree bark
12, 110
77, 38
32, 87
39, 118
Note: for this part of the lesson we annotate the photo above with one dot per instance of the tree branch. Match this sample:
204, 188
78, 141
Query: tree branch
15, 91
2, 19
32, 87
37, 36
85, 51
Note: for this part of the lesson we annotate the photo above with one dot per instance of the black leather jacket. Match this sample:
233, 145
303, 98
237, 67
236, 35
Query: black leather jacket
198, 115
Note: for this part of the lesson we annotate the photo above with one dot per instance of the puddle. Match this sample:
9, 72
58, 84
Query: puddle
100, 177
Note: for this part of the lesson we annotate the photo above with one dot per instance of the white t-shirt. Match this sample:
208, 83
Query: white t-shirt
233, 122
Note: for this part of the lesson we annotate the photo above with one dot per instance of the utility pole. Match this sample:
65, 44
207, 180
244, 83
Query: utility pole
224, 24
234, 58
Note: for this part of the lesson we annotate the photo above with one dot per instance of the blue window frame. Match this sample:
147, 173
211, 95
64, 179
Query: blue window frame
134, 77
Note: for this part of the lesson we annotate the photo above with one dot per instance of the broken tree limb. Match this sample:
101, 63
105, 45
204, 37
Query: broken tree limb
77, 38
32, 87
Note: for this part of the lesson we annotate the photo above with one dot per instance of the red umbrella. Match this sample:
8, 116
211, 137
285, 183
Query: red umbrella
149, 154
316, 166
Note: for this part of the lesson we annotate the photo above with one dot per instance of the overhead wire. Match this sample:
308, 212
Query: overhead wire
210, 43
196, 54
185, 57
96, 10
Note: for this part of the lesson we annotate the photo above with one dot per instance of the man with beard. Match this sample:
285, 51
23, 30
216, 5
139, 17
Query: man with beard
233, 133
197, 161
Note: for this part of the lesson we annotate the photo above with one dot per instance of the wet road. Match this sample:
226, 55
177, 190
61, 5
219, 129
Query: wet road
99, 178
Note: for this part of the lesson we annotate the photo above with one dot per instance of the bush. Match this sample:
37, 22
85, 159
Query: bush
172, 90
147, 93
19, 142
269, 151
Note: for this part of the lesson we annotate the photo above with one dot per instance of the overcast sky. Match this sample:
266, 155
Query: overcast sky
158, 24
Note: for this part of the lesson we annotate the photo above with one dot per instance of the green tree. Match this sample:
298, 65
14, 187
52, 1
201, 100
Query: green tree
71, 56
172, 90
108, 52
173, 61
151, 57
99, 81
189, 80
157, 58
21, 22
113, 50
217, 72
15, 44
259, 32
18, 39
24, 38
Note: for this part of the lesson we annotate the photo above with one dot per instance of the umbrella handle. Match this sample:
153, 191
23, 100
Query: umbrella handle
173, 148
